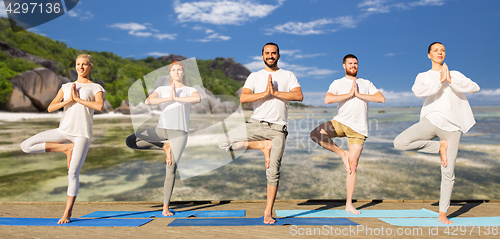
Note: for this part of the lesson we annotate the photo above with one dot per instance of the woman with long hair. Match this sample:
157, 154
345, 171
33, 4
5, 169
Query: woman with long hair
173, 126
446, 114
79, 99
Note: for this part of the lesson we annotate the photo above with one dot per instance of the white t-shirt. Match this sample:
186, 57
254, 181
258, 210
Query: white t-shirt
270, 108
77, 119
353, 112
175, 115
446, 105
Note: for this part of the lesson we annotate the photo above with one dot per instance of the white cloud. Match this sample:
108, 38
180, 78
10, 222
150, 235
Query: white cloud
374, 6
83, 16
384, 6
301, 28
103, 39
390, 54
222, 12
168, 36
314, 27
155, 53
133, 27
142, 30
295, 54
367, 7
214, 37
428, 3
488, 92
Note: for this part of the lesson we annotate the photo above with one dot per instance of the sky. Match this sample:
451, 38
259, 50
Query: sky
389, 37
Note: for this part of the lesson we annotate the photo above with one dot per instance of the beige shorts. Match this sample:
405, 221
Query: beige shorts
342, 130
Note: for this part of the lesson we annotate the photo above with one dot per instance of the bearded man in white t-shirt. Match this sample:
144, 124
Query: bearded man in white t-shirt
270, 90
352, 95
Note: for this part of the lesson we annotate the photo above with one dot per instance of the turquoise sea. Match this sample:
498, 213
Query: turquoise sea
113, 172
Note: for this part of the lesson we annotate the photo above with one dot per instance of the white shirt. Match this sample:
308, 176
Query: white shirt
353, 112
175, 115
77, 119
270, 108
446, 105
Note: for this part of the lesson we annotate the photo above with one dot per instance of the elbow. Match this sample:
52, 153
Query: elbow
382, 100
300, 98
100, 106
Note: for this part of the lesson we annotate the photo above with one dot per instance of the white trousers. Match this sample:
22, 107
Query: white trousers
36, 144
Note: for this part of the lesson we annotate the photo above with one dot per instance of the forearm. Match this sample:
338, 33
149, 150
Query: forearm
462, 84
155, 101
331, 98
252, 97
188, 99
57, 105
96, 105
377, 97
290, 96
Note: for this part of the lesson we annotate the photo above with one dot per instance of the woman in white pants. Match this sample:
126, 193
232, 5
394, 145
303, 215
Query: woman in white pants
172, 131
79, 99
446, 114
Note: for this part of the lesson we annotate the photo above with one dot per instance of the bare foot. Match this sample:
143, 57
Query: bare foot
64, 219
166, 212
443, 146
69, 153
351, 209
268, 144
443, 218
268, 218
167, 148
345, 160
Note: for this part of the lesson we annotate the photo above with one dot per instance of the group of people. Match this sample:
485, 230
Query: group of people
446, 114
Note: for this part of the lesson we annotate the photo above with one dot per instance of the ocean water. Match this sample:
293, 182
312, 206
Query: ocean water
113, 172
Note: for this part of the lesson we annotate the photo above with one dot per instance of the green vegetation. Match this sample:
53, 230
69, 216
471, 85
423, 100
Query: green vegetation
117, 73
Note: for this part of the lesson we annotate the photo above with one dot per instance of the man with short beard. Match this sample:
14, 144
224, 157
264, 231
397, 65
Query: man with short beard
352, 95
270, 90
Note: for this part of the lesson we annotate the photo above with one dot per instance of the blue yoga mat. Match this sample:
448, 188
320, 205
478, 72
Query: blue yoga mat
260, 222
157, 214
75, 222
433, 222
364, 213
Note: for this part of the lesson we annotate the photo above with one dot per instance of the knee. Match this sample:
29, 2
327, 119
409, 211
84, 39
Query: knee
399, 144
72, 176
224, 143
131, 141
25, 147
315, 135
273, 175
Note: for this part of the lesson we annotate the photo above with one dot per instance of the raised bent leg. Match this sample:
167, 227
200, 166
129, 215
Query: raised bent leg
322, 135
418, 137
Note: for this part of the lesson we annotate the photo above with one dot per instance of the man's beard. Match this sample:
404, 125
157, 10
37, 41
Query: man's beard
271, 65
351, 72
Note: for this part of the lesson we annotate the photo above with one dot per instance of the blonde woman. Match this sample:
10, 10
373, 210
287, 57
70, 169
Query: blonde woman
79, 99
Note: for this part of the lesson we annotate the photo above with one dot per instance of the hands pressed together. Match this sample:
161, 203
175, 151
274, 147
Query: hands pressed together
75, 95
270, 87
445, 74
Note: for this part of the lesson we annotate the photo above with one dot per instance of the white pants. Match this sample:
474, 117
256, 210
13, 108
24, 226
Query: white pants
36, 144
419, 137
